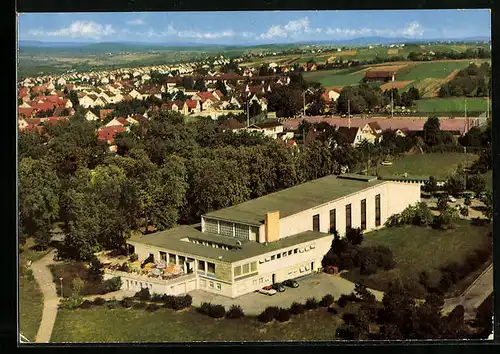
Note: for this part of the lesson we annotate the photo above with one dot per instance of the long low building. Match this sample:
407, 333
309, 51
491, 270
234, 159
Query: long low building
283, 235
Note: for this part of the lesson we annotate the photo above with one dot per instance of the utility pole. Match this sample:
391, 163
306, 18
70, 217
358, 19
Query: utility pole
349, 112
248, 113
304, 102
392, 104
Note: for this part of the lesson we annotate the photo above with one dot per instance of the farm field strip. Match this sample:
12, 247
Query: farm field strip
438, 105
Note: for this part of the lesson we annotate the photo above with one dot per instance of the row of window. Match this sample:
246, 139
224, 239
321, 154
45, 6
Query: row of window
287, 253
225, 228
245, 269
211, 284
348, 216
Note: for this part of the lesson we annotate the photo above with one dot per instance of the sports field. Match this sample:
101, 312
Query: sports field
475, 105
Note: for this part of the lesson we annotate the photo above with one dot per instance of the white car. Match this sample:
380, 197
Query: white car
267, 290
451, 199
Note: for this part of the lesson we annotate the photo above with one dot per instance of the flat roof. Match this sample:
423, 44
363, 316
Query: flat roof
293, 200
172, 240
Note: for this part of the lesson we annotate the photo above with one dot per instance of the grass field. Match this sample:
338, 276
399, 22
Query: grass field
416, 249
337, 77
475, 105
165, 325
439, 165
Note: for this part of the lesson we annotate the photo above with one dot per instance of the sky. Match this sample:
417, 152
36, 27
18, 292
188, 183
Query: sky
251, 27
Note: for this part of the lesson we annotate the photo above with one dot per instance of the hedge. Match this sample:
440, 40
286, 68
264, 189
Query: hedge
235, 311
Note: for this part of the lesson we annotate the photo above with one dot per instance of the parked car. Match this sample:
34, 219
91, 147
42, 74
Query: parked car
291, 283
278, 287
451, 199
386, 163
267, 290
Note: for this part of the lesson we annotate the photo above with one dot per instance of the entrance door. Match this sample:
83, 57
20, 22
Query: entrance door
312, 267
274, 278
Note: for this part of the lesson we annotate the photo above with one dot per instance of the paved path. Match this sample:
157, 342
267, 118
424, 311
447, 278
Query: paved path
474, 295
118, 295
43, 276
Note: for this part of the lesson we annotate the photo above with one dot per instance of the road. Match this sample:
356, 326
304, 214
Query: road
474, 295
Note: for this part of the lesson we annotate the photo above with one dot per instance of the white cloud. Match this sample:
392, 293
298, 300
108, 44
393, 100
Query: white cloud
137, 22
412, 29
85, 29
292, 29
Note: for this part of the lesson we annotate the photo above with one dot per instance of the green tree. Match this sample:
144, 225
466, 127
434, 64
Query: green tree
38, 199
199, 85
219, 85
431, 185
432, 131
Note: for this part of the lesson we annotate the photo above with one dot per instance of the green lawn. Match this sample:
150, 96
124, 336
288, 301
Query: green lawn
336, 77
439, 165
30, 296
30, 306
456, 105
165, 325
416, 249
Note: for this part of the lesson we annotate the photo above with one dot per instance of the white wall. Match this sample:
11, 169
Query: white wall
394, 197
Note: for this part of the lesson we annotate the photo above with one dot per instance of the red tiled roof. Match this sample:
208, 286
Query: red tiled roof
23, 92
33, 121
191, 103
43, 106
103, 113
108, 133
26, 112
55, 120
206, 96
31, 127
218, 94
232, 124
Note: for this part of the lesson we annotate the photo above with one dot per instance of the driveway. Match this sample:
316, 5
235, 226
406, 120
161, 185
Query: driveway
316, 285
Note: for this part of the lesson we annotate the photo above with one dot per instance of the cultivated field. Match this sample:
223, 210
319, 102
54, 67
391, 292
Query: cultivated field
396, 84
433, 69
336, 77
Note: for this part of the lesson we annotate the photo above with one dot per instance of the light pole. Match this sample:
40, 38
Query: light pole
61, 279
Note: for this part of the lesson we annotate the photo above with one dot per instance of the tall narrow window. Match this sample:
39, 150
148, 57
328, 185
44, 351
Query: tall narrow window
377, 210
348, 219
363, 214
333, 220
316, 222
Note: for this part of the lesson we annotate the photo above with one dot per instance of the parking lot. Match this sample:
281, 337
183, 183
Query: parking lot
316, 285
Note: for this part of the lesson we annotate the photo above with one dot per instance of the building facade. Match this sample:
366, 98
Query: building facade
284, 235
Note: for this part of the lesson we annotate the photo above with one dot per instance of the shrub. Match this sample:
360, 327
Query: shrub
143, 294
181, 302
127, 302
113, 284
86, 304
204, 308
268, 314
112, 304
345, 299
140, 305
99, 301
327, 300
312, 303
354, 236
134, 257
282, 315
482, 255
235, 311
297, 308
124, 267
156, 297
217, 311
361, 292
71, 303
368, 266
333, 310
152, 308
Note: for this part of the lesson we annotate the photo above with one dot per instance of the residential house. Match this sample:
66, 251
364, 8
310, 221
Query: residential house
232, 124
191, 106
91, 116
271, 128
103, 113
108, 134
351, 135
26, 112
135, 94
380, 76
